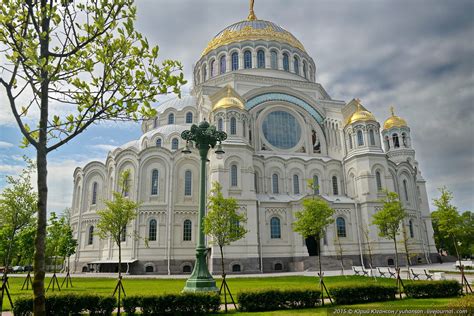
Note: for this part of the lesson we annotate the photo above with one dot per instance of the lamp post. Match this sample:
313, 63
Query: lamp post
205, 137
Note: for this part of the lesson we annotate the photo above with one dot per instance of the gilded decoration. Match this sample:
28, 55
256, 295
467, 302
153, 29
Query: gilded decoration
394, 121
360, 115
248, 33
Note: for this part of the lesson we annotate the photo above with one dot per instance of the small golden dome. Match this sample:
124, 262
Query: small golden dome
394, 121
228, 102
360, 115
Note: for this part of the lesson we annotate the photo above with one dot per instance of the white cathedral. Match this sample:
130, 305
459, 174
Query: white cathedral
256, 82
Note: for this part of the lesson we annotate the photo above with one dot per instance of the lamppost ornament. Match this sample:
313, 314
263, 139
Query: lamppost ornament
205, 137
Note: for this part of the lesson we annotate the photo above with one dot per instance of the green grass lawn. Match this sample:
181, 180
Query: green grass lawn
105, 286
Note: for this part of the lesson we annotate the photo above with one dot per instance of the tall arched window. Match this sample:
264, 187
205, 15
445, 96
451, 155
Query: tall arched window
255, 182
198, 76
187, 230
154, 182
155, 122
233, 175
405, 189
123, 234
94, 193
275, 188
296, 65
152, 230
315, 185
387, 142
126, 187
189, 117
223, 65
90, 239
233, 126
235, 61
404, 140
341, 227
158, 142
378, 179
275, 228
171, 118
296, 184
247, 59
396, 143
286, 62
244, 129
174, 144
410, 226
188, 178
261, 59
350, 141
372, 137
274, 59
305, 70
220, 125
360, 138
335, 187
204, 73
212, 68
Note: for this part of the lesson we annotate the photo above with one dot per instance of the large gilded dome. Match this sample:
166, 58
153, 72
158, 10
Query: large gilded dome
394, 121
253, 29
360, 115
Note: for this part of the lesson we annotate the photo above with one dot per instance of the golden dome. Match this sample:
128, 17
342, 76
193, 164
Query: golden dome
360, 115
394, 121
228, 102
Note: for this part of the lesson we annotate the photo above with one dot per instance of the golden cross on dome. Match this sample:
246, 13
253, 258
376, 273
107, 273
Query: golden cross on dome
392, 110
251, 16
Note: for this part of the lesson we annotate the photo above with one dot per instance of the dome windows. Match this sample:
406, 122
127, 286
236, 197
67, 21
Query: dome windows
305, 70
274, 59
286, 62
260, 59
247, 59
212, 68
222, 64
235, 61
204, 73
360, 138
296, 65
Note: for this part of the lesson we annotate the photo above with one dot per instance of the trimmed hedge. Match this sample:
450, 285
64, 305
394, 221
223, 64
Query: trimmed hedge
267, 300
173, 304
363, 293
433, 289
67, 304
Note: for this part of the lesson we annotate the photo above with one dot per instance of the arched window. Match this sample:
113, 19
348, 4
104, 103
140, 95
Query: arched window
274, 59
187, 269
126, 187
189, 117
94, 193
350, 141
244, 129
236, 268
233, 175
171, 118
261, 59
204, 73
275, 229
360, 138
305, 70
296, 184
90, 239
341, 227
310, 73
372, 137
235, 61
123, 234
152, 230
278, 267
404, 140
233, 126
286, 62
275, 189
378, 179
198, 76
396, 143
387, 142
390, 262
149, 269
296, 65
315, 185
188, 177
158, 142
335, 187
223, 65
174, 144
212, 68
155, 122
154, 182
187, 230
410, 226
405, 189
255, 182
247, 59
220, 124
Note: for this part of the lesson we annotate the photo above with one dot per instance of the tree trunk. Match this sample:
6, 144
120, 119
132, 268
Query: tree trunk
396, 252
120, 259
456, 248
222, 260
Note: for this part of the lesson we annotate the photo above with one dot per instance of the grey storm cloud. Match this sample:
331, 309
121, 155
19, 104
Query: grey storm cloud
417, 55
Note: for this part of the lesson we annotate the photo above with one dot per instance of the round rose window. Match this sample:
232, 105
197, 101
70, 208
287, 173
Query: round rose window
281, 129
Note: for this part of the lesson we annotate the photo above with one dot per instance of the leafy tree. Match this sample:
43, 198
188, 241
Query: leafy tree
26, 245
388, 219
70, 64
340, 253
369, 246
67, 243
54, 237
119, 213
18, 203
222, 221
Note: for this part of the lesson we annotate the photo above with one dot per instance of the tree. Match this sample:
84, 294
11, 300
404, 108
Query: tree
70, 64
388, 219
53, 242
340, 253
67, 243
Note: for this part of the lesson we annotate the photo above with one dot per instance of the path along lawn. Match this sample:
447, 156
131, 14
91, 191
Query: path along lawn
134, 286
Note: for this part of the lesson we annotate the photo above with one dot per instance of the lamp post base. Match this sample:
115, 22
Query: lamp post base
200, 280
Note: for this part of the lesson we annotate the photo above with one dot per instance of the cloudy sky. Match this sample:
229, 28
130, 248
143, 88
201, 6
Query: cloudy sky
417, 55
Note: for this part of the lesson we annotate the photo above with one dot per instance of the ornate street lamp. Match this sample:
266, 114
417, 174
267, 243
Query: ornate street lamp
204, 137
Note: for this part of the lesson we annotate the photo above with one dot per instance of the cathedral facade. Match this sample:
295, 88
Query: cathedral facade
256, 82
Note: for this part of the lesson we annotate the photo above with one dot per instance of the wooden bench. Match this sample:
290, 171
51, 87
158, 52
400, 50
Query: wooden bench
386, 272
416, 273
360, 270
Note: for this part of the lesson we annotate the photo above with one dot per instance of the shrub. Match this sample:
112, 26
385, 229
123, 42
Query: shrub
23, 306
363, 293
267, 300
433, 289
175, 304
130, 304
